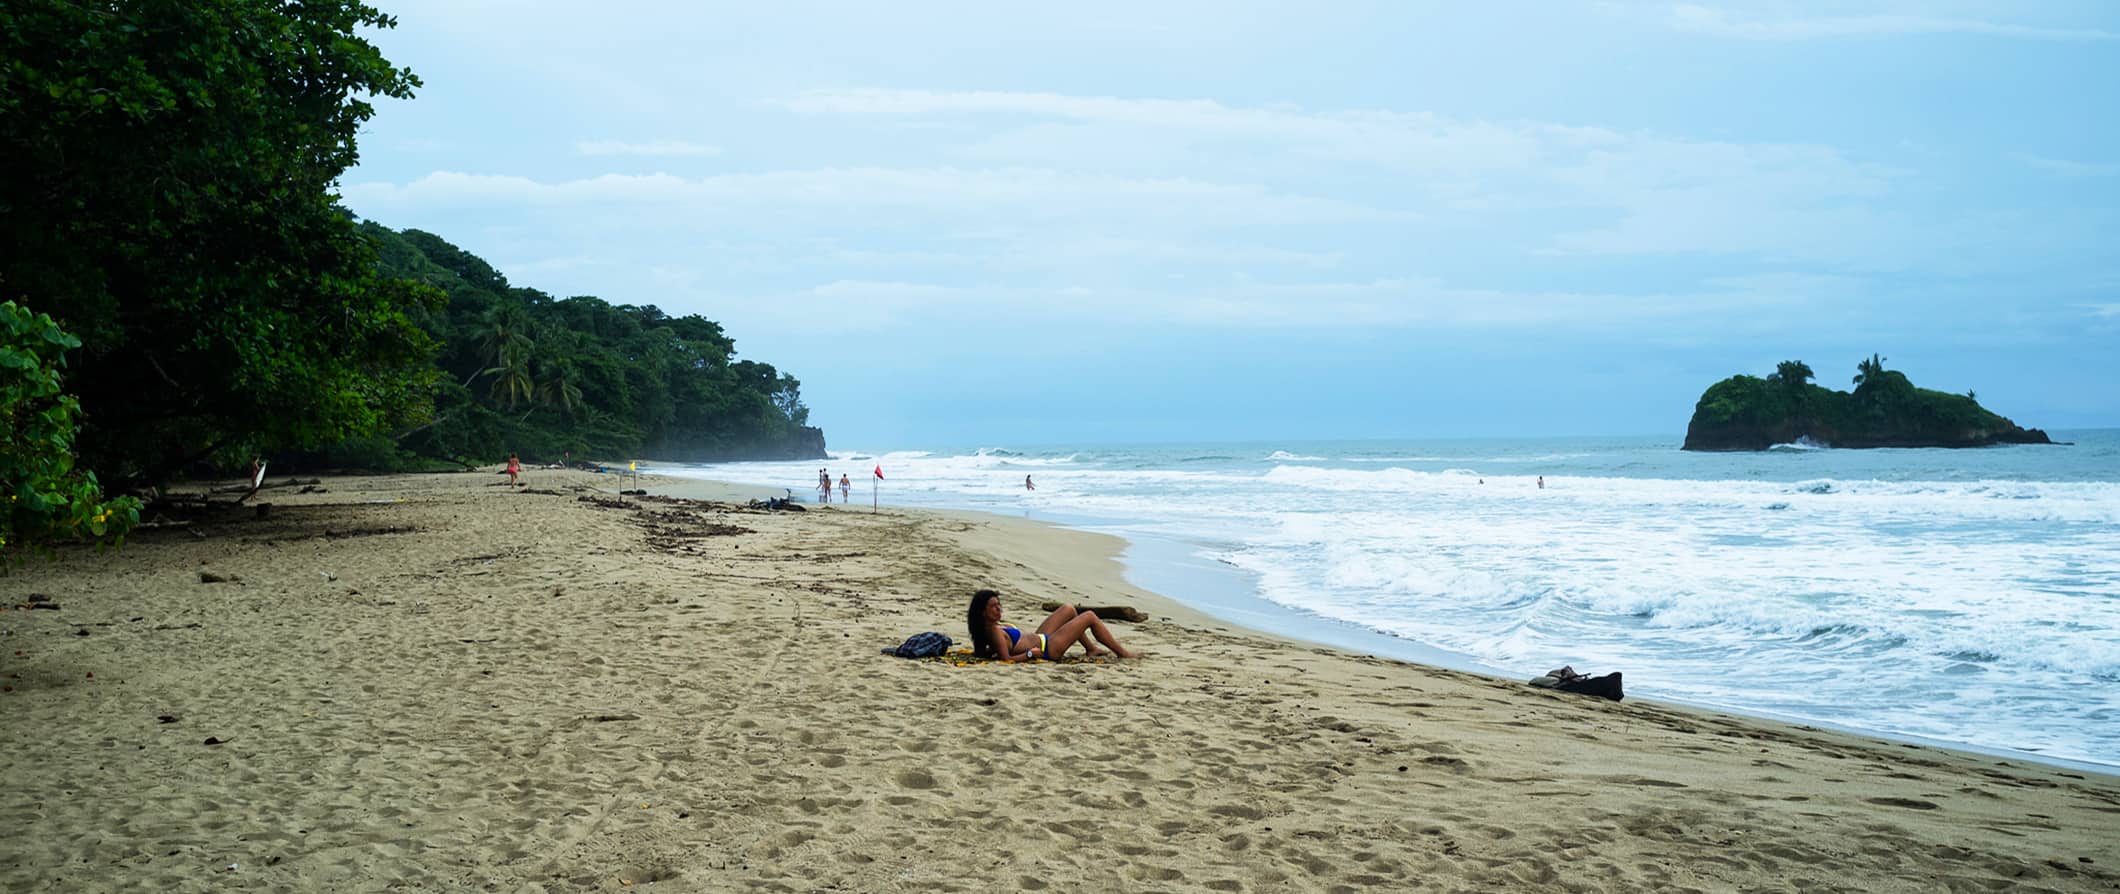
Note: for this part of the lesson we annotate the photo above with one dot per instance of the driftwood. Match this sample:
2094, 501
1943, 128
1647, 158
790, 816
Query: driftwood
245, 488
1107, 612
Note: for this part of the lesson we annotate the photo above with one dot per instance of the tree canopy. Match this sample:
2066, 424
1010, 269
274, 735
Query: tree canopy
166, 192
167, 178
520, 371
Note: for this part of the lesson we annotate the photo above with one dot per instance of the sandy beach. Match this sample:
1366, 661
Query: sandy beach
438, 683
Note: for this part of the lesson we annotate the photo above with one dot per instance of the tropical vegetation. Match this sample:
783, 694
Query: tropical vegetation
1885, 409
167, 206
46, 497
521, 371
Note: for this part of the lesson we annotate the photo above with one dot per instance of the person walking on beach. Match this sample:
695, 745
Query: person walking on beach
1541, 482
1059, 631
515, 469
1027, 485
824, 486
846, 488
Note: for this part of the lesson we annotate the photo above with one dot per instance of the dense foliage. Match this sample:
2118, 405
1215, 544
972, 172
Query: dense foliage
522, 372
166, 177
1885, 410
47, 499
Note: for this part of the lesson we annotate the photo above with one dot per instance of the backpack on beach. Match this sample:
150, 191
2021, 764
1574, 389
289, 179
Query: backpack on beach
1565, 679
921, 645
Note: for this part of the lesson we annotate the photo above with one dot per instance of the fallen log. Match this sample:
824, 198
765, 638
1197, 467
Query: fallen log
1107, 612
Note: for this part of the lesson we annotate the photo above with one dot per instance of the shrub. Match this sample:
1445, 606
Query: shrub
47, 500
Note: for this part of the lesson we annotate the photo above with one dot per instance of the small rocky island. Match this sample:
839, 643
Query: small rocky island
1885, 410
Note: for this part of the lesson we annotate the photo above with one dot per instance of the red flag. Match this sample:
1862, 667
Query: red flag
879, 470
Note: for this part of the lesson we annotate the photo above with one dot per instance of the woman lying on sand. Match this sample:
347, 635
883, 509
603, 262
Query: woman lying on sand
1060, 630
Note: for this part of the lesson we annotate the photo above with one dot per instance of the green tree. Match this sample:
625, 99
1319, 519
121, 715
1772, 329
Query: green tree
167, 170
506, 345
1869, 371
1792, 373
48, 499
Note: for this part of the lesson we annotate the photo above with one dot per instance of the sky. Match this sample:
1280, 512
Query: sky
974, 224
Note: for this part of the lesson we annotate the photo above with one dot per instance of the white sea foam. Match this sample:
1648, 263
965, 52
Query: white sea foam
1856, 587
1803, 443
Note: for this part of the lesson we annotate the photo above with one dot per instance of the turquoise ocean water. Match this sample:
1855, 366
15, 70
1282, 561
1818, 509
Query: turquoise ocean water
1964, 596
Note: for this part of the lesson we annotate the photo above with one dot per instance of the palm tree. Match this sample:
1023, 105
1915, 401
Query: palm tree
1868, 370
557, 387
505, 346
511, 382
1793, 373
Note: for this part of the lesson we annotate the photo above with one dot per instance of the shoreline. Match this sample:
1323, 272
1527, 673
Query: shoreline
437, 682
1240, 604
1353, 638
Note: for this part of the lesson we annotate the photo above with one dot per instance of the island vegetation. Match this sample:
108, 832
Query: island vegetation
183, 291
1885, 409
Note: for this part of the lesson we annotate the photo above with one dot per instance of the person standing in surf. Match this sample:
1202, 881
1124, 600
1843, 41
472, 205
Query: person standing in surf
1027, 485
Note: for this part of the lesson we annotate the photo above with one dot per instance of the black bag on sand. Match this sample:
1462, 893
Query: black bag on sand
921, 645
1606, 686
1567, 680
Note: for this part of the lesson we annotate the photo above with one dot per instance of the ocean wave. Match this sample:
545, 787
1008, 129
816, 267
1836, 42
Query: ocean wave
1283, 456
1800, 445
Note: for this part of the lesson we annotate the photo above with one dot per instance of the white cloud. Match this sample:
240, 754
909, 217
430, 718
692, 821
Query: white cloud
1325, 305
1021, 193
1658, 194
1384, 137
658, 148
1704, 20
2106, 311
2066, 168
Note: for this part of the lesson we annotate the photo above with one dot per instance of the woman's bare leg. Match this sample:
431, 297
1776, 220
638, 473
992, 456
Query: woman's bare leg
1073, 631
1058, 621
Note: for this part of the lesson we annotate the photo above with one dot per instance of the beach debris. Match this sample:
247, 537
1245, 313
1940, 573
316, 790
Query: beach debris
1565, 679
1107, 612
167, 718
208, 577
328, 576
215, 740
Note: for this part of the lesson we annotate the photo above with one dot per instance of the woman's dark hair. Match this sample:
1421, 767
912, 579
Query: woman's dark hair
975, 622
